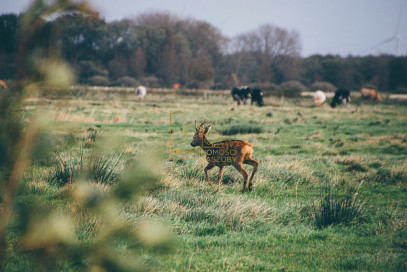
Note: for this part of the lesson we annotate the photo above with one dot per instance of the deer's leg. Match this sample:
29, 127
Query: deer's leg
207, 168
239, 167
255, 164
221, 169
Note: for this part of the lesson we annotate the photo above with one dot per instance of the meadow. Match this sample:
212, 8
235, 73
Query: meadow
329, 195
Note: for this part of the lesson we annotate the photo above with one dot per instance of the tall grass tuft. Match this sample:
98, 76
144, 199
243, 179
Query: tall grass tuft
97, 168
104, 169
191, 170
241, 129
334, 208
90, 139
63, 173
391, 176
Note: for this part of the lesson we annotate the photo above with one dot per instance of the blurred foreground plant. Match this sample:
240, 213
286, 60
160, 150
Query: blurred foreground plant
52, 238
47, 235
17, 144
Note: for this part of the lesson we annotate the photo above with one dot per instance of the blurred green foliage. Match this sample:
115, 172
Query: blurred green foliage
47, 236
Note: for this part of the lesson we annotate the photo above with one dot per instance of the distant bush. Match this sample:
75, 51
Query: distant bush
88, 69
99, 81
126, 82
228, 82
291, 89
370, 86
269, 89
401, 90
323, 86
152, 81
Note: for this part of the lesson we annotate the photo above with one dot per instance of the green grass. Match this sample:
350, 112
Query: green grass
274, 228
242, 129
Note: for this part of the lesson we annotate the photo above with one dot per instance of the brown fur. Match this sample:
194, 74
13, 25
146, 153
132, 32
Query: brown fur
224, 153
3, 85
370, 94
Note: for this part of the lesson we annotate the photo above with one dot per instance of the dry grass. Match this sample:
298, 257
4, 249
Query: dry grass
233, 211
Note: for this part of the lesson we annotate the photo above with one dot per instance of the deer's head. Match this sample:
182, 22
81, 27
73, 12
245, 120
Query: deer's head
200, 133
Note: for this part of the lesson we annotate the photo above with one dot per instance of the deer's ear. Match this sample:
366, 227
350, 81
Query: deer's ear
208, 128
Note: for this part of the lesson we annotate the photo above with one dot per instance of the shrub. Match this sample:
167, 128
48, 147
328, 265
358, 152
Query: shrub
229, 81
370, 86
401, 90
334, 209
268, 88
126, 82
323, 86
291, 89
98, 81
88, 69
152, 81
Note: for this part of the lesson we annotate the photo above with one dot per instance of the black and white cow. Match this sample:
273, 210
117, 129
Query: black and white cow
342, 96
257, 96
243, 94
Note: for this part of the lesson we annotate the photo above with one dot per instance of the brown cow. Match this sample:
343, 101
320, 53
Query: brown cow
370, 94
3, 85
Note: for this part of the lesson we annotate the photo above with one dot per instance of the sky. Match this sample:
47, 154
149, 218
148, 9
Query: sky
339, 27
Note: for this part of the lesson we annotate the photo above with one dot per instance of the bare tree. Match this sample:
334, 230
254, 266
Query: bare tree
158, 19
269, 45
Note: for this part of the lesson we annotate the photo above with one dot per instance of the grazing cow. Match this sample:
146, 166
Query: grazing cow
241, 94
141, 92
257, 96
3, 85
342, 96
245, 93
319, 98
367, 93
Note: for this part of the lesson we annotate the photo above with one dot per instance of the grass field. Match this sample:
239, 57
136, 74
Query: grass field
311, 159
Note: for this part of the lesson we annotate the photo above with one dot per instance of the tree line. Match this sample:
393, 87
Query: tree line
161, 49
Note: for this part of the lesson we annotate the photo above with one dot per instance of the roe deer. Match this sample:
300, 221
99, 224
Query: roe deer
224, 153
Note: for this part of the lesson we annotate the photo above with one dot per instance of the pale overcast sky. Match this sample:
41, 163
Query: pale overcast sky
341, 27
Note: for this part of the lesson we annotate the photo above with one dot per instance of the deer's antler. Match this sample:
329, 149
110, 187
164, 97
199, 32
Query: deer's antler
202, 124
